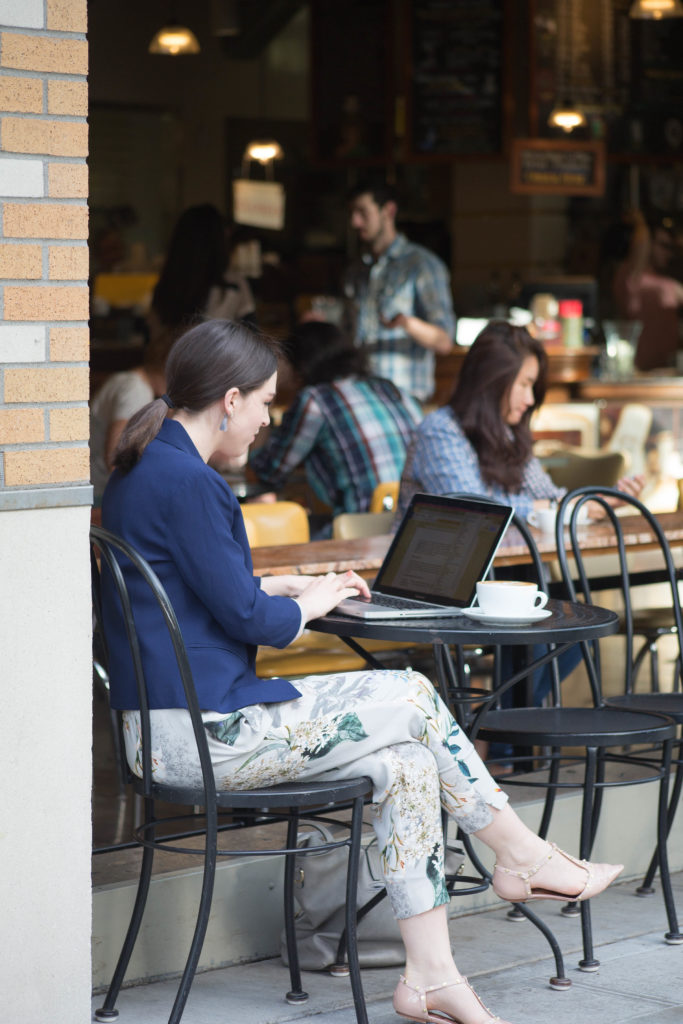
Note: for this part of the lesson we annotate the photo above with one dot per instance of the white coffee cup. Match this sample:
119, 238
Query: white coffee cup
509, 598
543, 519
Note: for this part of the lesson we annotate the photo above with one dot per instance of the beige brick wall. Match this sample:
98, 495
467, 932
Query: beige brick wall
44, 343
67, 181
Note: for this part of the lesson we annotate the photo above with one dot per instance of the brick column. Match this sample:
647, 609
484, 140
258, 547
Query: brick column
44, 460
45, 493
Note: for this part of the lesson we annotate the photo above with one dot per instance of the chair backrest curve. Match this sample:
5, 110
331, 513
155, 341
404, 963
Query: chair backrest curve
114, 552
577, 583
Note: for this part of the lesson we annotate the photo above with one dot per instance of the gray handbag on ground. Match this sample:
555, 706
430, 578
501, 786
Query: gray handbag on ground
320, 895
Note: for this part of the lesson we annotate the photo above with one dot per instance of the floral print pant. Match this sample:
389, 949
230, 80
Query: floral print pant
390, 726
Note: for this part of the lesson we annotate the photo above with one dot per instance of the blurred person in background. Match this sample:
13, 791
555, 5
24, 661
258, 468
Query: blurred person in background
398, 294
195, 283
348, 428
115, 402
644, 290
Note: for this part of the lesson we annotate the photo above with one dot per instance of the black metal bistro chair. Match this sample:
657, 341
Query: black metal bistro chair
578, 581
603, 733
211, 812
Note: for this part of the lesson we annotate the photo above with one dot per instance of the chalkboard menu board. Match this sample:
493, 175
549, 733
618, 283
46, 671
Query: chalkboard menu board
557, 167
454, 98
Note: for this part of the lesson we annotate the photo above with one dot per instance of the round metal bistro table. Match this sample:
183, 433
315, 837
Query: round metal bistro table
569, 623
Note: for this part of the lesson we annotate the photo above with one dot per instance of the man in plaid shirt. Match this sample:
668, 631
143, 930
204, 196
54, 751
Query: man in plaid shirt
350, 430
399, 296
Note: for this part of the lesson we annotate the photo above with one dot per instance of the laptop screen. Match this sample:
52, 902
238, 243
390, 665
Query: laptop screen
442, 547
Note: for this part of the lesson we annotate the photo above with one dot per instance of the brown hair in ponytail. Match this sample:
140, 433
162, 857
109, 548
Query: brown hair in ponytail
203, 364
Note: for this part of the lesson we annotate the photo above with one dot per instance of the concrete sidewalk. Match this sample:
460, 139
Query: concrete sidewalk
640, 978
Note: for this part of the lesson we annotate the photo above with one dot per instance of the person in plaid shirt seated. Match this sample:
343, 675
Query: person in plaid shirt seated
349, 429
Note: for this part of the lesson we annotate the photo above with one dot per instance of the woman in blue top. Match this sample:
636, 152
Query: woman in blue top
480, 442
183, 518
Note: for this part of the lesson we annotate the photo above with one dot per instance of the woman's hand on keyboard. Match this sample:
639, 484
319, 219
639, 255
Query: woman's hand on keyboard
324, 593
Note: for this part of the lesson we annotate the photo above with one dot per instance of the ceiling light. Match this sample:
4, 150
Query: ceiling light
656, 9
174, 41
566, 116
264, 152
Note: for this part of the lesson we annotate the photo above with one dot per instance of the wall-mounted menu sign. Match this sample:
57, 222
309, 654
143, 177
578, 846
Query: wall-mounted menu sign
557, 167
456, 58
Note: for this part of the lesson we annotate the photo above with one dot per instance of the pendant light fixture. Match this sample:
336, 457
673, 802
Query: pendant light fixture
264, 152
565, 113
174, 39
566, 116
656, 9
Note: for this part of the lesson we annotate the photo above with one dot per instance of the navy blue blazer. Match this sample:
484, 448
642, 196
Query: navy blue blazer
182, 517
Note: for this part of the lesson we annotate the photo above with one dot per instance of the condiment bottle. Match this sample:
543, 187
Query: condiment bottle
571, 318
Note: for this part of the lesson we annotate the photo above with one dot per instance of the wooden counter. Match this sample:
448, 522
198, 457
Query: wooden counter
661, 389
566, 367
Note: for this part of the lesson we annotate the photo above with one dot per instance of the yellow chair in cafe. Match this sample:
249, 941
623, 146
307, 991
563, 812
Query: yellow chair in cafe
385, 496
275, 522
350, 525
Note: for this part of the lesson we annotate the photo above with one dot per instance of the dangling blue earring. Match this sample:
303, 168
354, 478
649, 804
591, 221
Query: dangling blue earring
224, 423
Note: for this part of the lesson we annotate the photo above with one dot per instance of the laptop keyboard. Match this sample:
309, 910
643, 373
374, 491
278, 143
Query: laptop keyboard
385, 601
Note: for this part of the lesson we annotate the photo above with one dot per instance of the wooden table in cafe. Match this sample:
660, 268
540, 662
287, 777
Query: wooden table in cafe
365, 554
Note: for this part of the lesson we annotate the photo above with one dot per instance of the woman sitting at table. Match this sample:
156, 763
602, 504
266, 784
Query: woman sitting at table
390, 725
480, 443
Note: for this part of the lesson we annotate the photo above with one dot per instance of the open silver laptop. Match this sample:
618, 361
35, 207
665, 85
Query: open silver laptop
442, 547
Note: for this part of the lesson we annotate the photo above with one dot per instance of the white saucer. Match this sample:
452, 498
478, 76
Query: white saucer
535, 615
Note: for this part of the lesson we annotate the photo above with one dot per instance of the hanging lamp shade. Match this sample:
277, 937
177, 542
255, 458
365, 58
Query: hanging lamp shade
264, 151
656, 9
566, 116
174, 41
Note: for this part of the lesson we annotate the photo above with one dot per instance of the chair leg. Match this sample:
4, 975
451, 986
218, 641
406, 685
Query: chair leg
515, 914
673, 936
573, 908
560, 981
202, 915
646, 888
351, 900
107, 1012
549, 804
296, 993
654, 667
589, 962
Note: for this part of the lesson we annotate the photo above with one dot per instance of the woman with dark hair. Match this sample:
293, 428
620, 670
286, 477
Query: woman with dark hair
195, 283
183, 518
349, 429
480, 442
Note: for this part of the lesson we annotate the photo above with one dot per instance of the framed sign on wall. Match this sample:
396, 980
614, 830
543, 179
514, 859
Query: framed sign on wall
559, 167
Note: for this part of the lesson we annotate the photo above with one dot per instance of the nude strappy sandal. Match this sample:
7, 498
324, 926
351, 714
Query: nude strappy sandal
515, 886
411, 1001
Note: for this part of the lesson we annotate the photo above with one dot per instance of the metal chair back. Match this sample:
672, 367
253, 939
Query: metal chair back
577, 578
